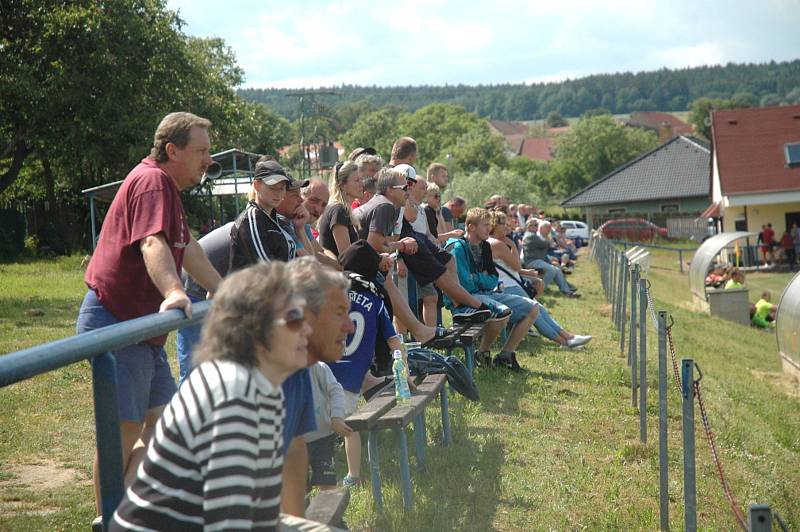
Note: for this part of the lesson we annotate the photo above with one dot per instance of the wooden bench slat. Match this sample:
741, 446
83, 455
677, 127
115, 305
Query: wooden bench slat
328, 506
366, 416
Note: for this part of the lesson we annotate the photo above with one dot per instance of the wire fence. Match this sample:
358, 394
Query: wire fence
628, 292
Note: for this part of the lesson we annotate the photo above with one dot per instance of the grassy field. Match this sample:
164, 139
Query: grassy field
553, 448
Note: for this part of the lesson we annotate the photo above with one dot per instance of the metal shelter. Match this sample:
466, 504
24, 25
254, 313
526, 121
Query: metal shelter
706, 254
787, 324
238, 167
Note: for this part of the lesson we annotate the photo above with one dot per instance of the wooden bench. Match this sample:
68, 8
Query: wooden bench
466, 340
382, 412
328, 506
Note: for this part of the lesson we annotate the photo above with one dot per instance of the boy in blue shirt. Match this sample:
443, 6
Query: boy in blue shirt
370, 318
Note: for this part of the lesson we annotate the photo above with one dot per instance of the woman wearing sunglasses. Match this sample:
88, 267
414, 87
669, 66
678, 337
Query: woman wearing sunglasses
215, 459
335, 226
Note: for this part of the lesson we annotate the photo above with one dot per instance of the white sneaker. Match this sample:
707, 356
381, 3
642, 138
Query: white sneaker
578, 341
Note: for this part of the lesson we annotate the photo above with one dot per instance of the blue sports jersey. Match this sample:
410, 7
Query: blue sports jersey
370, 318
299, 405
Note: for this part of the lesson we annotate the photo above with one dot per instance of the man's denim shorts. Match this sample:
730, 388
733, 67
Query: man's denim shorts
144, 378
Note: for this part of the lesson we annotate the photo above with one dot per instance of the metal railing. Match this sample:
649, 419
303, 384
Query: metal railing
97, 345
618, 276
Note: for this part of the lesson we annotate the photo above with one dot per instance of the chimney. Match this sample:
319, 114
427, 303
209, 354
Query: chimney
665, 132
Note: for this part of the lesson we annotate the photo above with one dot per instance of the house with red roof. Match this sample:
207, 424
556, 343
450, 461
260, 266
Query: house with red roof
666, 125
755, 168
537, 149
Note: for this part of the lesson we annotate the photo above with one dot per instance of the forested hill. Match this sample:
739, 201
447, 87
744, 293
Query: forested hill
665, 90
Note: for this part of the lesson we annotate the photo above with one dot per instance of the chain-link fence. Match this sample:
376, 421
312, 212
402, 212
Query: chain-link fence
628, 292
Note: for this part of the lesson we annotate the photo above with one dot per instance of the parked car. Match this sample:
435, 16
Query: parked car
633, 229
576, 230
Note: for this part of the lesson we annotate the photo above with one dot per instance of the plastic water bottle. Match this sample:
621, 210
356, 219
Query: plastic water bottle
400, 370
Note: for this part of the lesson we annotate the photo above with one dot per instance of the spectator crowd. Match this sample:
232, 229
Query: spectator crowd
307, 306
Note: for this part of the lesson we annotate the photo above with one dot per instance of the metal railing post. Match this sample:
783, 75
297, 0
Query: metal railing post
109, 443
643, 360
662, 421
759, 518
633, 328
624, 278
689, 480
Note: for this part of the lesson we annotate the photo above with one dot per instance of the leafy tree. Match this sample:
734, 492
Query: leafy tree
700, 113
793, 96
377, 129
771, 99
592, 148
477, 186
554, 119
440, 129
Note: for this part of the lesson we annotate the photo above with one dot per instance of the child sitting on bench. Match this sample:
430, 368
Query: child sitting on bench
368, 312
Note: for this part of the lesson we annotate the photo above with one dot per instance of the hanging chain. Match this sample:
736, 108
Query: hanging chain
715, 455
651, 307
675, 370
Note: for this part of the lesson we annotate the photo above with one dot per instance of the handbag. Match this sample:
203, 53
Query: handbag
524, 283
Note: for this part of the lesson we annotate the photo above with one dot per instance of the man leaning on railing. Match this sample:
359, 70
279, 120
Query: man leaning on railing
135, 271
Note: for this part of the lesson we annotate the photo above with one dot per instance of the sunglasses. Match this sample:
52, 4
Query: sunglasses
401, 187
293, 319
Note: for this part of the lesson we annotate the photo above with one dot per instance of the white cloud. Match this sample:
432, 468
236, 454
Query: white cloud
704, 53
324, 43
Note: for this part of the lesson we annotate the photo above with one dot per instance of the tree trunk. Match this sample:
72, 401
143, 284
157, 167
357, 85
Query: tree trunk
21, 151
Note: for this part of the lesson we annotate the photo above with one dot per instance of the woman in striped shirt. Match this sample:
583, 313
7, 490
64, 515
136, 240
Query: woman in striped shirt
215, 460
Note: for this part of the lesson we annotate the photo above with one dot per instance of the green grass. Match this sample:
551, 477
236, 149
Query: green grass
555, 447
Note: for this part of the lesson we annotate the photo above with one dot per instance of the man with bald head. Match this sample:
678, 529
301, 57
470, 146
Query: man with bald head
315, 199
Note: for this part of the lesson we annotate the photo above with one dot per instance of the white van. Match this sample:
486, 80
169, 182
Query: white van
576, 230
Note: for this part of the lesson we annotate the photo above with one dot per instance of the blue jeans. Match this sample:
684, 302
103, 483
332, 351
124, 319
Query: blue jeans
185, 341
544, 323
550, 272
144, 379
520, 306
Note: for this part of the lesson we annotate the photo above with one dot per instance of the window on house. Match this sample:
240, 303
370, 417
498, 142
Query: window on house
670, 207
792, 150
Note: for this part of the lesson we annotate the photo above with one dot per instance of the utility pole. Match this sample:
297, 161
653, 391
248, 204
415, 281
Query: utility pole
305, 168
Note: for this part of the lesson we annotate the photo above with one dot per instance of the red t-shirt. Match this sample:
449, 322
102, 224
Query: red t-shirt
769, 236
147, 203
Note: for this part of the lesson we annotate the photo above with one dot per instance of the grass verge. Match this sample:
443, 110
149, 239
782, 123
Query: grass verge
554, 447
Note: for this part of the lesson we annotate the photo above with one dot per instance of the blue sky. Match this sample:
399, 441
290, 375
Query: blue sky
416, 42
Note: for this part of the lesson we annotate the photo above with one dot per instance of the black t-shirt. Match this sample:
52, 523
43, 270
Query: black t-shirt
433, 221
334, 214
477, 256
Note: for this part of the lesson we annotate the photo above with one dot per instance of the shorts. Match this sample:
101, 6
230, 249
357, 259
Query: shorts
350, 402
144, 378
427, 290
429, 262
321, 461
520, 306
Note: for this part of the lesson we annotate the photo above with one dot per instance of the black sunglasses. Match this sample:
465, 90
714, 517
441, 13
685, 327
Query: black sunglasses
401, 187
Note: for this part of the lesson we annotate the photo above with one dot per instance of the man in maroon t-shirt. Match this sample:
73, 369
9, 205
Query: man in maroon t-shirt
135, 271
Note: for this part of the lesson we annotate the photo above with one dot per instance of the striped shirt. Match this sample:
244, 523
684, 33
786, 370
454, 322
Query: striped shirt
214, 462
